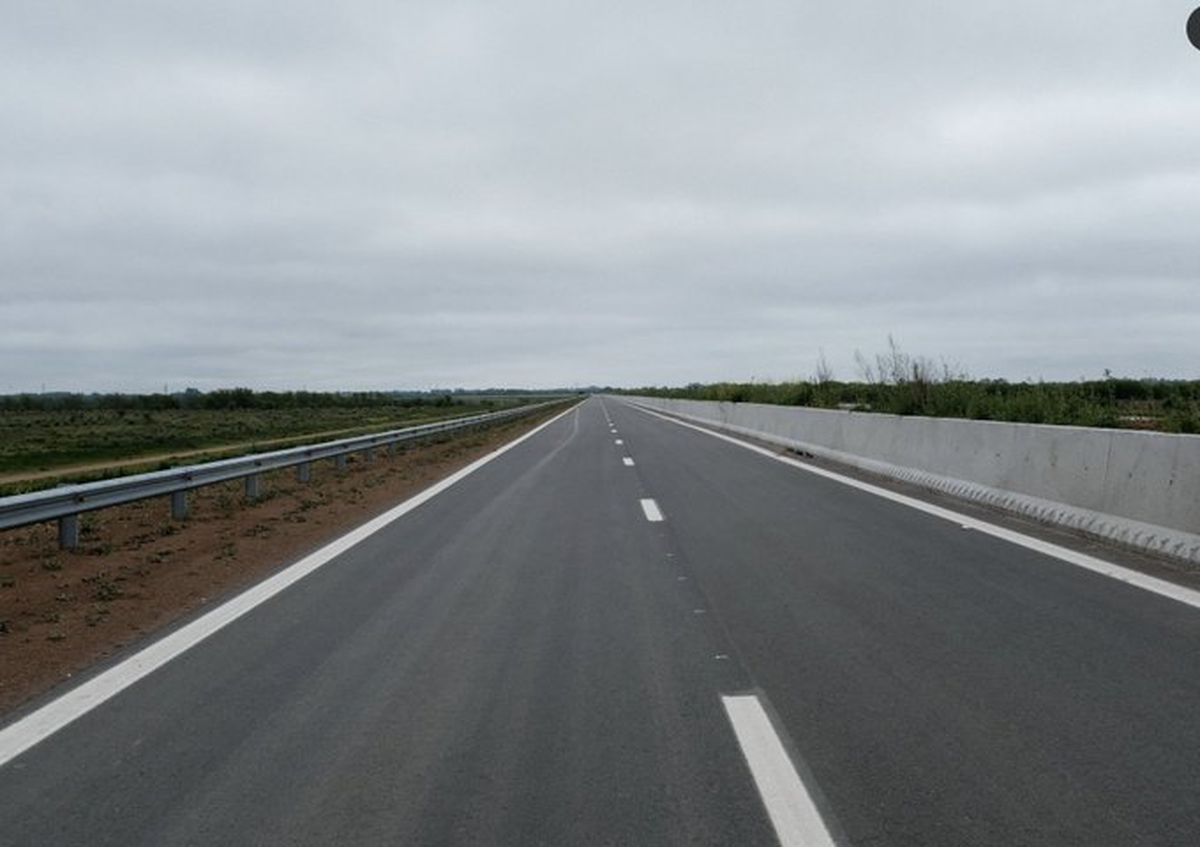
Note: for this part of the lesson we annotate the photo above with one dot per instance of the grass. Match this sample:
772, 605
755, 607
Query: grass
44, 439
42, 444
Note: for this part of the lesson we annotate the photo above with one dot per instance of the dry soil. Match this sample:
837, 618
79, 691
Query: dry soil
136, 570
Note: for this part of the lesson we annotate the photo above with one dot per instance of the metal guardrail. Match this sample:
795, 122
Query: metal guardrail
66, 503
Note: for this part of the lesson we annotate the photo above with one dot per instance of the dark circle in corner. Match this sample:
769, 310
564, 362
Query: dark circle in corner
1193, 29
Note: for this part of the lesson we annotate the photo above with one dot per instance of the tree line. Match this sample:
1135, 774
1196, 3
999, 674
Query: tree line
895, 382
224, 399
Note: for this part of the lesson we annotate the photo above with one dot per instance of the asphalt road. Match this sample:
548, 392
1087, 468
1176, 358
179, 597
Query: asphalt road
528, 659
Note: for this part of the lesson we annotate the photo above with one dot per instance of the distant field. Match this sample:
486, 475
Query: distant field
54, 444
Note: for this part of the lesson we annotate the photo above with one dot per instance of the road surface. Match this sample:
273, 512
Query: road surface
569, 646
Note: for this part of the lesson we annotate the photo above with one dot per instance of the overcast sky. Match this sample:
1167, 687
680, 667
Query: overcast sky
408, 194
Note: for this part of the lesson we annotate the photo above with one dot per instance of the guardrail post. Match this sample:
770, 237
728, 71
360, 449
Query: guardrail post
68, 532
369, 454
179, 505
340, 461
252, 486
304, 472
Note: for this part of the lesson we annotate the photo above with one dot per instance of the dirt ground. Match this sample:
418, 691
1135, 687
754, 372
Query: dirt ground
136, 570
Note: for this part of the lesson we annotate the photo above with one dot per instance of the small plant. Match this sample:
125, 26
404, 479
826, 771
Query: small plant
88, 525
105, 548
226, 504
95, 616
264, 495
104, 589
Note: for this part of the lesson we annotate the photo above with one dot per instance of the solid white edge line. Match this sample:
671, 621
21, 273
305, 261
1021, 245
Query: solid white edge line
49, 719
1161, 587
653, 513
791, 809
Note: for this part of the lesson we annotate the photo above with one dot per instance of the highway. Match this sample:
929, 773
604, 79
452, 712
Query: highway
555, 650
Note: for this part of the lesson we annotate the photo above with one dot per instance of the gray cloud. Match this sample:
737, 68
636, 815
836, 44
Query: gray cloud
374, 195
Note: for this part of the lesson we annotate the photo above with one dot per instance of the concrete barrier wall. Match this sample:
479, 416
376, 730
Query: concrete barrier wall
1136, 488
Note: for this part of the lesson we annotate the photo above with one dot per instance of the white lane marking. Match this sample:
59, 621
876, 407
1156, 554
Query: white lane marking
653, 513
1161, 587
619, 442
49, 719
792, 811
628, 462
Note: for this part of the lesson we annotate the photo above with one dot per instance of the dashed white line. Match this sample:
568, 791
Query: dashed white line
790, 807
653, 513
628, 462
619, 442
1161, 587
